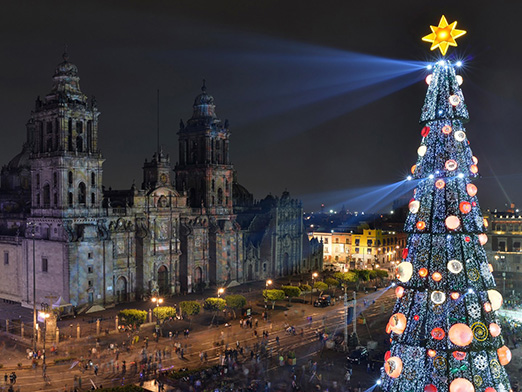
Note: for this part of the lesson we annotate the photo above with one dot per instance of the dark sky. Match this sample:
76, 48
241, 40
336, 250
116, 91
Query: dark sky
306, 85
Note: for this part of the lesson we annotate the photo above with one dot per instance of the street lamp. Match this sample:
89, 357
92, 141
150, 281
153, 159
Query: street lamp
45, 316
158, 301
267, 283
314, 275
32, 225
221, 290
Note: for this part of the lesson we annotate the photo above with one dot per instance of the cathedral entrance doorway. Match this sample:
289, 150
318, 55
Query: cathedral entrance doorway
250, 274
286, 265
163, 280
121, 289
199, 285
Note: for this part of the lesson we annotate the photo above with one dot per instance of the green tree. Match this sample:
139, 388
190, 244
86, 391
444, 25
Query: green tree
164, 312
235, 302
332, 283
320, 286
274, 295
305, 287
291, 291
362, 276
189, 308
346, 277
132, 317
214, 304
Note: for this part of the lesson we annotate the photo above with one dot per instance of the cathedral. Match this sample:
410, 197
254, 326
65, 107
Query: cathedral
185, 228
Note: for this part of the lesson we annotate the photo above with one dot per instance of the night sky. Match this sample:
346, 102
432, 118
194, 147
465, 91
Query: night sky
323, 97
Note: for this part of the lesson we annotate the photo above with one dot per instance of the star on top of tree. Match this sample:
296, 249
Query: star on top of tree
443, 35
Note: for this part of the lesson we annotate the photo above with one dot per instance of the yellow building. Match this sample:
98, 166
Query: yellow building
375, 248
336, 249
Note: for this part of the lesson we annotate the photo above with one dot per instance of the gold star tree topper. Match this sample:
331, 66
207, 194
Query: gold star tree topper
443, 35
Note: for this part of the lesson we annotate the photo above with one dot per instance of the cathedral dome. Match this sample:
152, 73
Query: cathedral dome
21, 160
65, 68
204, 104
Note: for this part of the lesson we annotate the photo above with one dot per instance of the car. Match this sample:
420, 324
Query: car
322, 301
358, 355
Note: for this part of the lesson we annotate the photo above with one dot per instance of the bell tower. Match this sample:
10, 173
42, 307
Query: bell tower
66, 164
204, 169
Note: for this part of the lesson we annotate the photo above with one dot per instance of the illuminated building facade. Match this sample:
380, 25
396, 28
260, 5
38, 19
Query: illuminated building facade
95, 245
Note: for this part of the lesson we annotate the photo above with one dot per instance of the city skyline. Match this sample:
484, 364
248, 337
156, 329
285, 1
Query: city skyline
303, 115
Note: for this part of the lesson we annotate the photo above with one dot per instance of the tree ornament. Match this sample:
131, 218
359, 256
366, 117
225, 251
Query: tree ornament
404, 271
432, 353
414, 206
485, 222
474, 159
460, 136
405, 253
465, 207
490, 268
439, 184
480, 331
425, 131
436, 276
461, 385
423, 272
416, 317
455, 266
398, 323
460, 334
504, 355
459, 355
471, 189
428, 79
459, 80
446, 129
393, 367
452, 222
490, 389
467, 239
387, 355
454, 100
422, 150
454, 295
399, 291
438, 297
483, 238
443, 36
487, 307
438, 333
451, 164
430, 388
473, 169
413, 169
421, 225
494, 329
495, 298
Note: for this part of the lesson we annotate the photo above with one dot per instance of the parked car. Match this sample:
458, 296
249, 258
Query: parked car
322, 301
358, 355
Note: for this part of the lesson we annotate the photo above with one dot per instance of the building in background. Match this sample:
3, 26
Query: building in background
88, 244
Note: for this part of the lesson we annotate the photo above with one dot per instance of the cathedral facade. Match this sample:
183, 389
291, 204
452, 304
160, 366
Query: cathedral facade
184, 229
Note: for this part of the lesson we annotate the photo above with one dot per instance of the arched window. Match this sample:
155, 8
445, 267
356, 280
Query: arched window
81, 193
70, 178
47, 195
38, 180
70, 199
79, 144
55, 198
55, 179
93, 199
220, 196
93, 179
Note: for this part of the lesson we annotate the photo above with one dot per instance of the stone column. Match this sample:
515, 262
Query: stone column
116, 323
78, 331
22, 329
97, 326
57, 335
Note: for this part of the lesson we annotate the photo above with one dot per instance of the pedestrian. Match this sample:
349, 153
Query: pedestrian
5, 378
96, 370
277, 340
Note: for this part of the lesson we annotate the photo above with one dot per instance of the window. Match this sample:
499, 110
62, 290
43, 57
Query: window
325, 249
356, 250
44, 265
516, 246
38, 200
70, 178
325, 240
93, 199
47, 195
70, 199
502, 246
90, 283
89, 269
81, 193
357, 241
89, 255
93, 179
337, 240
38, 180
55, 179
369, 251
369, 242
6, 258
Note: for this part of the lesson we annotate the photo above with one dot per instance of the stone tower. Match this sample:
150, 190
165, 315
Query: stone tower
66, 165
204, 169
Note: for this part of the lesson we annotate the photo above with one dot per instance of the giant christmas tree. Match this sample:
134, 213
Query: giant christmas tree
445, 333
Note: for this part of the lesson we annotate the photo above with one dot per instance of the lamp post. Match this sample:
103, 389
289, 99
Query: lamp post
267, 283
314, 275
158, 301
32, 226
220, 291
45, 315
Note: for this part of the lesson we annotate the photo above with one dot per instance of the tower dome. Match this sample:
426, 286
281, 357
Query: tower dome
204, 104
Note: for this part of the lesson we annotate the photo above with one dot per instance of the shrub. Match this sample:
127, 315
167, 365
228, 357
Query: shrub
320, 286
235, 302
132, 316
190, 308
274, 295
291, 291
331, 282
305, 287
214, 304
164, 312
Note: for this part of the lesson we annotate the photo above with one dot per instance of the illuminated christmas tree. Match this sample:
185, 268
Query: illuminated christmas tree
445, 333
